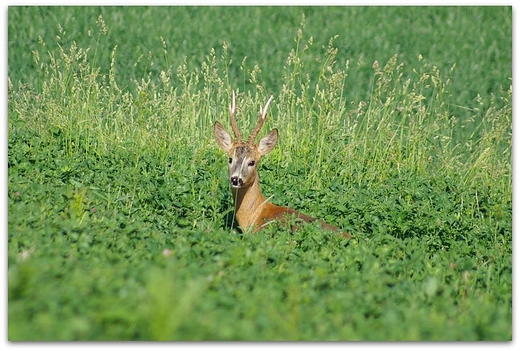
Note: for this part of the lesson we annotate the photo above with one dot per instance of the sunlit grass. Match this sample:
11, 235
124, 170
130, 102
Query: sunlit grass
120, 217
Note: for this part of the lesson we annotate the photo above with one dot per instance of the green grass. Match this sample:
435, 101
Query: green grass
120, 222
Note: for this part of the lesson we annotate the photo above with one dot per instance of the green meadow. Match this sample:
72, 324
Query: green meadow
395, 125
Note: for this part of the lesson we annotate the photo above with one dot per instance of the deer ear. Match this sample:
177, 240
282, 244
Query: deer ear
222, 137
267, 143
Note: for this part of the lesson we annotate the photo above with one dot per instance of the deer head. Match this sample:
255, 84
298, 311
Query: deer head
244, 156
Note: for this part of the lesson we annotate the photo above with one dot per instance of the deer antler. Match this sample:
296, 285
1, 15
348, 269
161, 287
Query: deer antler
234, 126
260, 123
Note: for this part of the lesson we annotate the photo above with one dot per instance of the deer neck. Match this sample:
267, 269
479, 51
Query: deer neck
249, 203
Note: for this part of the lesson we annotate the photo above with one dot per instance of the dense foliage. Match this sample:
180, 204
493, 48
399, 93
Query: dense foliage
395, 124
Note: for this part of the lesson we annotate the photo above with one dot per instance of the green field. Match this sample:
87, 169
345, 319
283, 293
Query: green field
395, 125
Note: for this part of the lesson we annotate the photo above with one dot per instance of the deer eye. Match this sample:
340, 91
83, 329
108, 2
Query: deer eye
251, 163
230, 160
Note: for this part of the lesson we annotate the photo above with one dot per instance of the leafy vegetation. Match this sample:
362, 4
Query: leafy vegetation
120, 221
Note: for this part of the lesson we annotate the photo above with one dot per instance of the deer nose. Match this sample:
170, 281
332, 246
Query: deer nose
235, 181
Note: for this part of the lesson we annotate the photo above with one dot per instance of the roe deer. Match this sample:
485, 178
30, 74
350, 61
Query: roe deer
252, 210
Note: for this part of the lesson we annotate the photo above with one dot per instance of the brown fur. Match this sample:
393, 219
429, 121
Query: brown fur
252, 210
